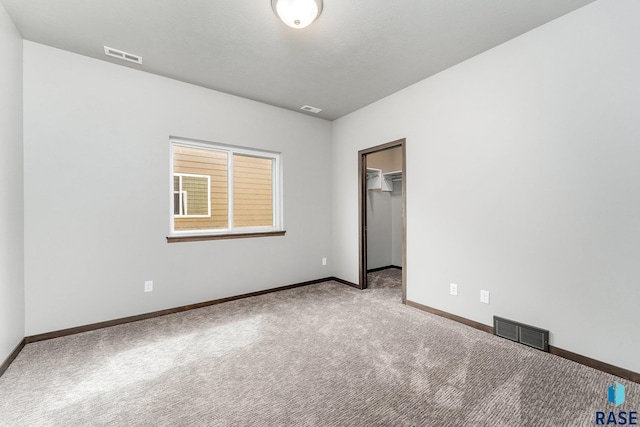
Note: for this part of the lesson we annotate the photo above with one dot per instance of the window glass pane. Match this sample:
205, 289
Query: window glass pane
207, 163
252, 191
177, 200
177, 204
196, 189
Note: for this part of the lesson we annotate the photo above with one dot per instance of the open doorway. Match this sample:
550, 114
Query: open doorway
382, 169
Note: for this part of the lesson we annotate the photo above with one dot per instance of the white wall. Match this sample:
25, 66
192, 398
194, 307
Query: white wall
97, 193
396, 224
389, 160
523, 179
11, 189
384, 221
384, 227
378, 229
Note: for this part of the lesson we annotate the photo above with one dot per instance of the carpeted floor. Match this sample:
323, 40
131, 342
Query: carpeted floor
321, 355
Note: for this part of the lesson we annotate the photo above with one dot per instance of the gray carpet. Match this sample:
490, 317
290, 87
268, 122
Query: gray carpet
321, 355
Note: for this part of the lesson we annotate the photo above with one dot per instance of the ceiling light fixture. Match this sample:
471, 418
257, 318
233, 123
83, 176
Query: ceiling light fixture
297, 13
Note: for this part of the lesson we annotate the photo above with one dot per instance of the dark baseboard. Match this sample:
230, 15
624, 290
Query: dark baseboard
123, 320
463, 320
583, 360
373, 270
578, 358
344, 282
11, 357
596, 364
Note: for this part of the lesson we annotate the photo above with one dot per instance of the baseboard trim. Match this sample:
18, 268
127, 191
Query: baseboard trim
373, 270
459, 319
575, 357
596, 364
12, 356
344, 282
565, 354
123, 320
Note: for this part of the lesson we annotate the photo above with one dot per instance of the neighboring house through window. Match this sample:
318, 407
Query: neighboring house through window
219, 189
191, 195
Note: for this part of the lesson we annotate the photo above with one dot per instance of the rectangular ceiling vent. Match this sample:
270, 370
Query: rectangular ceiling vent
311, 109
519, 332
122, 55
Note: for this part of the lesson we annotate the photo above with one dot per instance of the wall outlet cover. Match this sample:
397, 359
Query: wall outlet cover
148, 286
453, 289
484, 296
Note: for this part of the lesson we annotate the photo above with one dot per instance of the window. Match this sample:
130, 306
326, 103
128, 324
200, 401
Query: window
223, 190
191, 195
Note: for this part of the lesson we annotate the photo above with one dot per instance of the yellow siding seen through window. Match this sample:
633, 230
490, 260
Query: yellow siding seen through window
196, 188
252, 191
197, 161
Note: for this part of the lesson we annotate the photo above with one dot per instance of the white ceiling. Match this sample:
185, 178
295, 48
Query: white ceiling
357, 52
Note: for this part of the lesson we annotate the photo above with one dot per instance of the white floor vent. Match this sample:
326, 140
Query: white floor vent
519, 332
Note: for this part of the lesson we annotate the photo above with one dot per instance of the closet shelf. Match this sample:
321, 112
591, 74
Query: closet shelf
374, 179
388, 179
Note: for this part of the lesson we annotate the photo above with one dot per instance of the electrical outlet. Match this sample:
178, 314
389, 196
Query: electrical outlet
324, 261
453, 289
148, 286
484, 296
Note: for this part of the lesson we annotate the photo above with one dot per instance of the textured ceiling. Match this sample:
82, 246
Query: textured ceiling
357, 52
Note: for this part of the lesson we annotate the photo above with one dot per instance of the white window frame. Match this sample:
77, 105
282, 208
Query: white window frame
181, 198
277, 188
186, 199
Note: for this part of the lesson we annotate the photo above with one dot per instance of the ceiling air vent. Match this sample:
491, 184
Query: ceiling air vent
311, 109
122, 55
519, 332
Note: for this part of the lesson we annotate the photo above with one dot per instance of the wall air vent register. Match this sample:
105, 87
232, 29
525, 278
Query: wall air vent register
115, 53
311, 109
519, 332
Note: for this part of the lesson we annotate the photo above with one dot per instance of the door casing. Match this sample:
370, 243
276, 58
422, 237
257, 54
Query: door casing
362, 206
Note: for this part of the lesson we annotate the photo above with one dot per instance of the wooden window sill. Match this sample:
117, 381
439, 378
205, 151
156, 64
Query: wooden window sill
202, 237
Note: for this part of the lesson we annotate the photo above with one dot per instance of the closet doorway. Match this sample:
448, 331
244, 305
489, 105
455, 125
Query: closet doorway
382, 175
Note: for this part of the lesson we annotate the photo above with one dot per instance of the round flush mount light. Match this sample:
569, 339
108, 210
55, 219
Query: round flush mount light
297, 13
